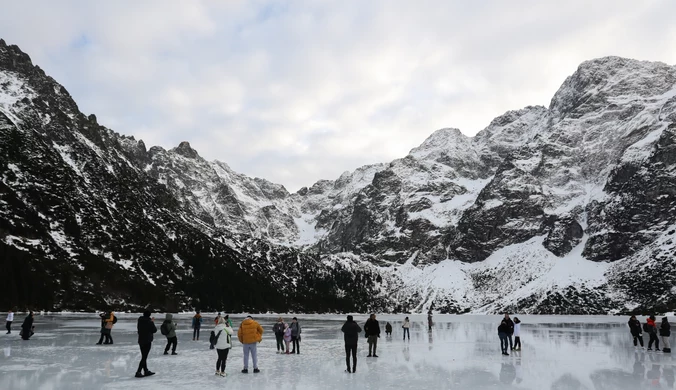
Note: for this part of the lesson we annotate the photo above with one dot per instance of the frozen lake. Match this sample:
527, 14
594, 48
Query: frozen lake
462, 352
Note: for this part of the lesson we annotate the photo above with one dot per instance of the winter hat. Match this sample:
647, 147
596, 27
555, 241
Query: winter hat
249, 317
146, 313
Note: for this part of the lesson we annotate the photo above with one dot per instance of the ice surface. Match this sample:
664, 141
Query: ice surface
462, 352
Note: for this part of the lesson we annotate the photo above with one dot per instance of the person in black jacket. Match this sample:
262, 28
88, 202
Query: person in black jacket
27, 327
351, 333
665, 332
636, 331
503, 333
145, 328
372, 332
510, 332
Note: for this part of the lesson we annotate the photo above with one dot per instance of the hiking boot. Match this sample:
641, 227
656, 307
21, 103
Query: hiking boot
369, 355
245, 371
149, 373
374, 355
166, 352
218, 373
348, 370
138, 375
222, 373
174, 353
256, 371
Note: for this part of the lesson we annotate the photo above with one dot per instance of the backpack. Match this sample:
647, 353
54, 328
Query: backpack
164, 329
114, 319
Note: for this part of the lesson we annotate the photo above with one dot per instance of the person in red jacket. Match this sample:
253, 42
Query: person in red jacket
652, 332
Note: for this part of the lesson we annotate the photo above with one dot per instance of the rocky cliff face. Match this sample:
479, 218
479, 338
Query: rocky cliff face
566, 209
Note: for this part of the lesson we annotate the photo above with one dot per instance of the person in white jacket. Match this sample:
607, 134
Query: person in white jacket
223, 333
406, 327
10, 319
517, 334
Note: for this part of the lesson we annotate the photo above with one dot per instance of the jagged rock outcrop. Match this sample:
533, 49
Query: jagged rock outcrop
565, 209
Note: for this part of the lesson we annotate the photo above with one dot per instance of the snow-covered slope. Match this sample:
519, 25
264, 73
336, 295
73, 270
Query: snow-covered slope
562, 209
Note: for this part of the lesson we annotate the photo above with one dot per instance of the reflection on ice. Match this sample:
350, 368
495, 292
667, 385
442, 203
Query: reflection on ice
460, 352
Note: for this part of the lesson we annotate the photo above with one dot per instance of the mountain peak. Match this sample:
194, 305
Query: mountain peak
185, 150
442, 139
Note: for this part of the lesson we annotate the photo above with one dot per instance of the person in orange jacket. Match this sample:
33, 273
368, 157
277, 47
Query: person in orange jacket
652, 332
250, 333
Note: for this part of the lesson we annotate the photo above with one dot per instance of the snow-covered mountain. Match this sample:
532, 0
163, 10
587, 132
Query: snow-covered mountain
562, 209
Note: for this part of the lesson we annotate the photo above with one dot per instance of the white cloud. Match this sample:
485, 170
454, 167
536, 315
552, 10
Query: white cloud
299, 91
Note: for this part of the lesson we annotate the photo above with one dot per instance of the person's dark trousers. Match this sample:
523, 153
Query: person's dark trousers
103, 336
503, 342
407, 332
351, 350
222, 357
108, 335
171, 342
145, 350
196, 333
373, 344
509, 337
653, 338
517, 342
296, 345
280, 341
640, 340
9, 327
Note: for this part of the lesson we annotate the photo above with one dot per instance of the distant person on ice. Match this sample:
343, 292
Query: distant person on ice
145, 327
27, 327
665, 332
430, 323
278, 330
295, 336
351, 332
196, 325
250, 333
635, 329
107, 322
372, 333
287, 337
517, 334
388, 329
652, 332
503, 331
223, 333
168, 328
510, 331
10, 319
407, 328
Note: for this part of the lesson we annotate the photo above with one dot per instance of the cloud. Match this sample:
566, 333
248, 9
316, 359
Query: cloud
299, 91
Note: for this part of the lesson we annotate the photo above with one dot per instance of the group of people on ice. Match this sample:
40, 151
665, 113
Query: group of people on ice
27, 327
650, 327
506, 331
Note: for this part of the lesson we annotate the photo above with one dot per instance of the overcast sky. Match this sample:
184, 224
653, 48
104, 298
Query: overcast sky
297, 91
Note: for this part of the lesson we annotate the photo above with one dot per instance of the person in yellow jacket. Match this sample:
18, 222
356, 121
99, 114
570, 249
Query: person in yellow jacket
250, 333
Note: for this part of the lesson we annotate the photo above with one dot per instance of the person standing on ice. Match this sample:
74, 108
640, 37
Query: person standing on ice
10, 319
652, 332
372, 332
430, 323
388, 329
517, 334
168, 328
287, 337
510, 332
196, 325
278, 330
250, 333
503, 331
351, 332
223, 344
145, 327
635, 329
295, 336
665, 332
27, 327
407, 328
